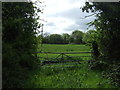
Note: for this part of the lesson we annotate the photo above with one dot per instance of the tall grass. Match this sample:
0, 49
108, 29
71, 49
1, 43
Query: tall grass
66, 75
71, 76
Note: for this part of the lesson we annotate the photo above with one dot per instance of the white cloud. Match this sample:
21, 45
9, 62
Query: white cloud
58, 24
57, 6
64, 16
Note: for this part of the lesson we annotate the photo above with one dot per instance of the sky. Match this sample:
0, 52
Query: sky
64, 16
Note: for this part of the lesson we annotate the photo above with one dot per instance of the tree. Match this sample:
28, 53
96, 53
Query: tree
76, 37
107, 25
90, 36
46, 38
19, 42
55, 39
66, 38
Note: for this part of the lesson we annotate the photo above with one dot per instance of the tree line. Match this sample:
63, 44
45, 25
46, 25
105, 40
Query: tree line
77, 37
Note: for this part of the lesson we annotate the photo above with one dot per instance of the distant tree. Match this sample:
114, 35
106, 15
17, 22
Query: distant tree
46, 34
55, 39
76, 37
45, 39
66, 38
71, 40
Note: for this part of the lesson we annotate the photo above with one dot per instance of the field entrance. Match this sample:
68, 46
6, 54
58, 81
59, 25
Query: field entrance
67, 74
53, 53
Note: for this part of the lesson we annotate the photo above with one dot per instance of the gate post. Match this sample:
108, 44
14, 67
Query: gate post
96, 52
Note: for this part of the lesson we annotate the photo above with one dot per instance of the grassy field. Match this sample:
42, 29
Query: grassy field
64, 48
67, 75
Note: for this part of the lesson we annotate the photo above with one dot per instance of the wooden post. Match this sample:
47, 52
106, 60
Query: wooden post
95, 50
62, 56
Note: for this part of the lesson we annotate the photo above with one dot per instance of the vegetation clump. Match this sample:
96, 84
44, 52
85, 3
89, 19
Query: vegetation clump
19, 42
107, 36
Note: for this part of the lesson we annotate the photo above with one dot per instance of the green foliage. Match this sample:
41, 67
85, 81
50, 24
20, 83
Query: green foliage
55, 39
66, 38
90, 36
76, 37
19, 42
107, 25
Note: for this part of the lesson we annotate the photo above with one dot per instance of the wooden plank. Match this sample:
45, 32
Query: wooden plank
65, 52
47, 62
69, 57
84, 56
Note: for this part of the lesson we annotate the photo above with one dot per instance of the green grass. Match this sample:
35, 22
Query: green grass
64, 48
66, 75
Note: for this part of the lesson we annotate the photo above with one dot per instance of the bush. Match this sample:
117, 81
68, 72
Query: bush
19, 42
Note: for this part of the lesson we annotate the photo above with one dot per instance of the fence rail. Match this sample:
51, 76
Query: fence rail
61, 56
65, 52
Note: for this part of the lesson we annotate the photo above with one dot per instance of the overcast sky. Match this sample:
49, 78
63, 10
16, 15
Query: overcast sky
64, 16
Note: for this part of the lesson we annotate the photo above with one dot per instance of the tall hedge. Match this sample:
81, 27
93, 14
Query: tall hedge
19, 27
107, 25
